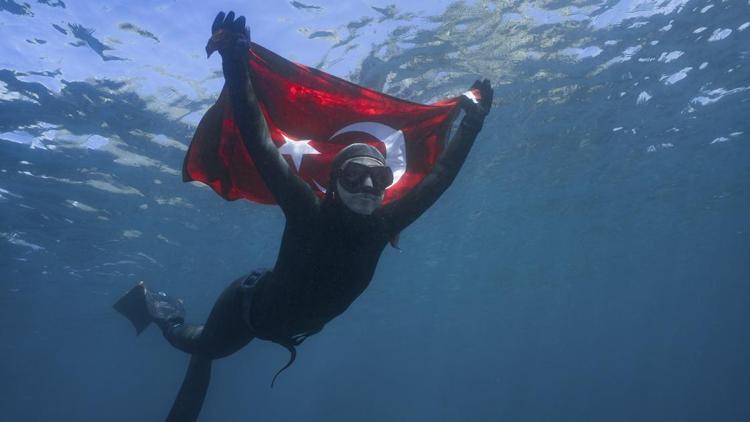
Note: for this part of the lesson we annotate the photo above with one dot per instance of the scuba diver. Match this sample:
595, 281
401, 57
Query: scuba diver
330, 246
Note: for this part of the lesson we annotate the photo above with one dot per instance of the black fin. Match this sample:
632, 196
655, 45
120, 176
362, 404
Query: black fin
187, 406
133, 307
293, 351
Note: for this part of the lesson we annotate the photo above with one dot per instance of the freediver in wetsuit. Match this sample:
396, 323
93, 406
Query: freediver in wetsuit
329, 249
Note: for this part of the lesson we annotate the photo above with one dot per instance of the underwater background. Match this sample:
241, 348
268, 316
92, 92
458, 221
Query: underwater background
590, 263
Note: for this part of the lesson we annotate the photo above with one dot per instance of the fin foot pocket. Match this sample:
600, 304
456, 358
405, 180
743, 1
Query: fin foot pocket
164, 310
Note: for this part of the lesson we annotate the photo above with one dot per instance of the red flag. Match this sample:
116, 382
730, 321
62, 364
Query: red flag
312, 115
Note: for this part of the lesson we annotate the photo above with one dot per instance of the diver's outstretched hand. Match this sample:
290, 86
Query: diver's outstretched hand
476, 109
229, 36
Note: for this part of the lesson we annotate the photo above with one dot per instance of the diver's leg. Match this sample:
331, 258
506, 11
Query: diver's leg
185, 337
224, 333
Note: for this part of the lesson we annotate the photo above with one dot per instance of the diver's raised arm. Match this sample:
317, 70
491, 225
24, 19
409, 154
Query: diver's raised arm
401, 213
232, 39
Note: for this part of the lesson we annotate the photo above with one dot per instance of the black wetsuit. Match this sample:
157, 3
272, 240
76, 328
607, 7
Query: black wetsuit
327, 257
328, 253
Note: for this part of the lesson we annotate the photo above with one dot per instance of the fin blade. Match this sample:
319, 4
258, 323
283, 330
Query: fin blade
189, 401
133, 307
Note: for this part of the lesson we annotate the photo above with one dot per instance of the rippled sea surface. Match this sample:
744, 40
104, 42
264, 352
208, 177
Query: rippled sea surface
590, 263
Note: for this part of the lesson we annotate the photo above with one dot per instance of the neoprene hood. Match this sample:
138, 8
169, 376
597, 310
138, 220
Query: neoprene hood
353, 151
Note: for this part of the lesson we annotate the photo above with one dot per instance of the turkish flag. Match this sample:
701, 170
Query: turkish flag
312, 115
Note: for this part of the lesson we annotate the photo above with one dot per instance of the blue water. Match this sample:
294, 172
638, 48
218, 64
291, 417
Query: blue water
590, 263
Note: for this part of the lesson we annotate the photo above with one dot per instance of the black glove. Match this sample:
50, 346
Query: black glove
477, 111
229, 36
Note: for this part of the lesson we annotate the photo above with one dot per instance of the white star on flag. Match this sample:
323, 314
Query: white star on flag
297, 149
